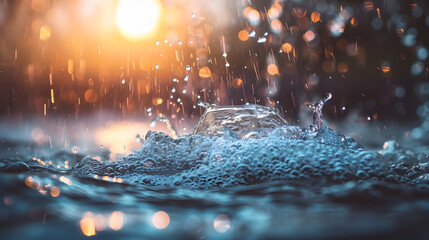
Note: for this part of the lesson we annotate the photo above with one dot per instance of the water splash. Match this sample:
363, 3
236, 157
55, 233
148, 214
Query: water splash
242, 145
317, 112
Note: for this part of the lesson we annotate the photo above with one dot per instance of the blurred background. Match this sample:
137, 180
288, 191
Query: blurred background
107, 71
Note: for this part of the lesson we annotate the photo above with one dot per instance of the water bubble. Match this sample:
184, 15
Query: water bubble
417, 68
422, 53
408, 40
399, 92
75, 149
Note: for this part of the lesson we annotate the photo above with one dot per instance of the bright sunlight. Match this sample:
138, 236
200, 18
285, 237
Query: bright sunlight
136, 19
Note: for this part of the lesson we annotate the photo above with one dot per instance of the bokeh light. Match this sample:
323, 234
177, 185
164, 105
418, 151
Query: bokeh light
160, 220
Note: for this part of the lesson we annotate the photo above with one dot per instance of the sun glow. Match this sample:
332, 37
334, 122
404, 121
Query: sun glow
136, 19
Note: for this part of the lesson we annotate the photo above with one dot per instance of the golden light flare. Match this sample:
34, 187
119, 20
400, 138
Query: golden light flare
116, 220
55, 192
120, 137
315, 16
157, 101
137, 19
91, 96
286, 47
254, 17
66, 180
45, 32
87, 224
70, 66
237, 83
354, 22
385, 69
272, 69
276, 26
160, 220
205, 72
243, 35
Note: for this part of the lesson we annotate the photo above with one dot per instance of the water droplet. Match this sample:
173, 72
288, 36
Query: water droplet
262, 40
252, 34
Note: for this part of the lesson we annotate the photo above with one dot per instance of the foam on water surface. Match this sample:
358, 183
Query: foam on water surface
243, 145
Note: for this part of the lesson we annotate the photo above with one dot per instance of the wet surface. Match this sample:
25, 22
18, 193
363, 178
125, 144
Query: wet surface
286, 182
